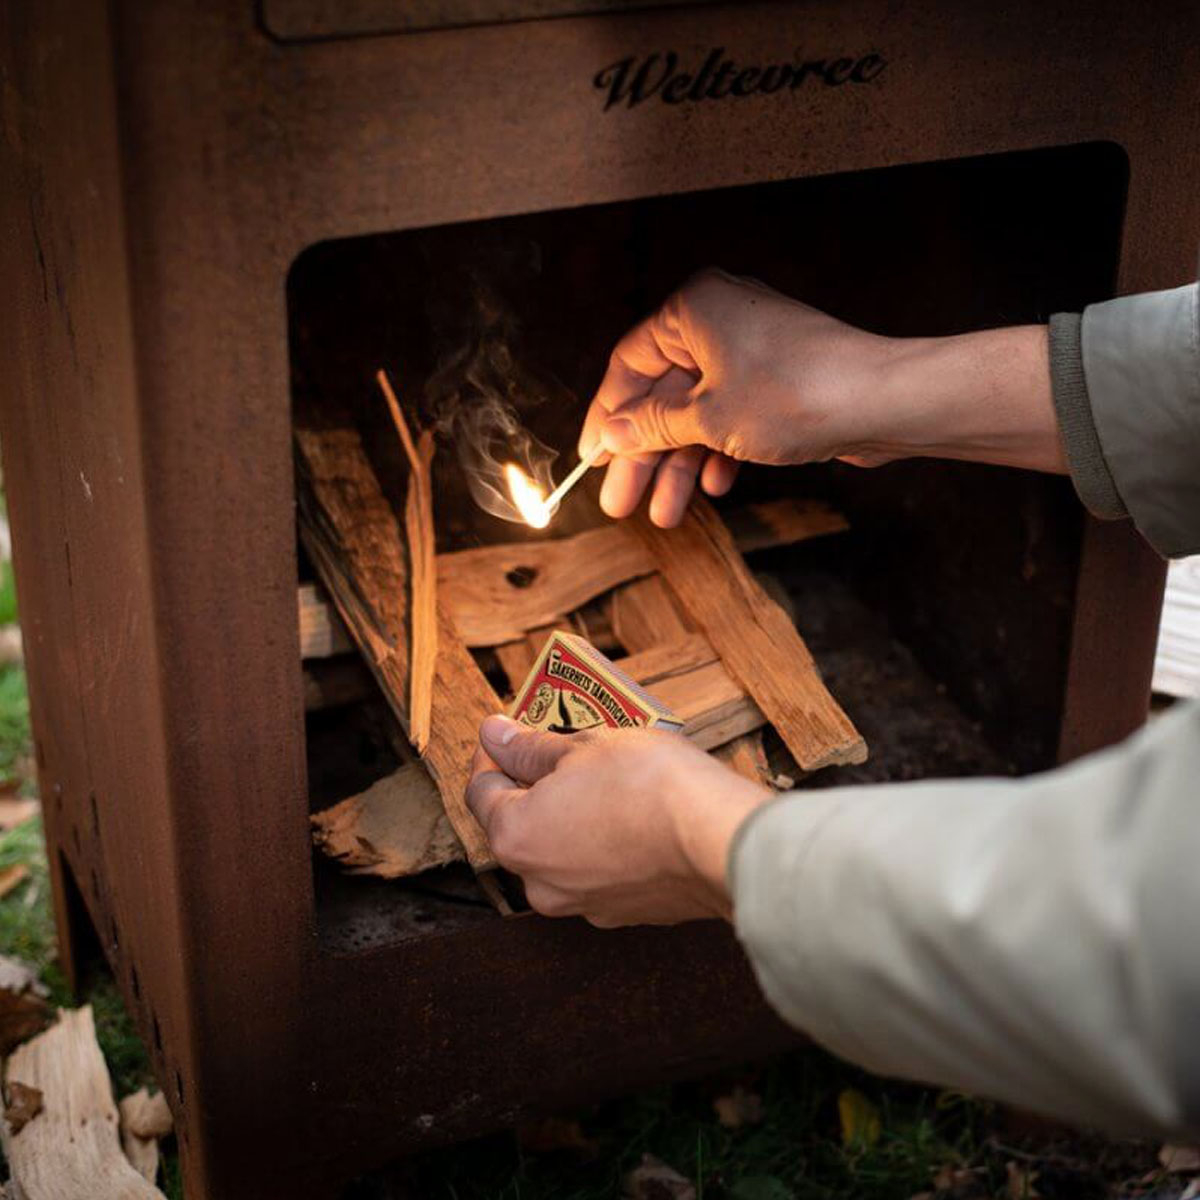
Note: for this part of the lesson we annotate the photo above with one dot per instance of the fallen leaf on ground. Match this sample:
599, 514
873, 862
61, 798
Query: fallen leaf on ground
24, 1103
1182, 1159
10, 877
740, 1107
859, 1117
958, 1183
1021, 1182
23, 1012
652, 1179
16, 810
549, 1134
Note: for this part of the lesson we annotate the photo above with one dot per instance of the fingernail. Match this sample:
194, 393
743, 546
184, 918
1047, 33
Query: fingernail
618, 435
498, 730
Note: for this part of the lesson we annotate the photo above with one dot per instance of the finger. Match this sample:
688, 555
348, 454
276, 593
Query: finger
625, 482
666, 417
549, 901
488, 792
718, 473
673, 485
525, 755
650, 350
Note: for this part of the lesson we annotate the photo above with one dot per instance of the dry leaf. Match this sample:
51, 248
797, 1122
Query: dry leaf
549, 1134
1181, 1159
23, 1012
958, 1183
739, 1108
1021, 1182
652, 1179
859, 1117
16, 810
24, 1103
11, 877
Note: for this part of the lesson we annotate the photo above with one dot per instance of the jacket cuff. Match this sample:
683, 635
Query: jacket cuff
1085, 456
1141, 355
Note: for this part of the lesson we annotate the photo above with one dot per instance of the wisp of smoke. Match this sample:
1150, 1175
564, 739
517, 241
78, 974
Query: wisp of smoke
475, 395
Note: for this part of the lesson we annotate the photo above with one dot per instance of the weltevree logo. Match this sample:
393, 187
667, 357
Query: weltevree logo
632, 80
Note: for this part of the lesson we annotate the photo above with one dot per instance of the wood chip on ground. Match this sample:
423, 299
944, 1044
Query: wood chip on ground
72, 1148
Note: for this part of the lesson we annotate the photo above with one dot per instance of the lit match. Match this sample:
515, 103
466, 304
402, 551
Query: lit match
536, 509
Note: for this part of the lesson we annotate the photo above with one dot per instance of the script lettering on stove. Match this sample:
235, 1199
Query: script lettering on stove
630, 81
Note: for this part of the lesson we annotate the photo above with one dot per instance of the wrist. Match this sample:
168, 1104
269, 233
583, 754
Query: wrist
704, 833
978, 397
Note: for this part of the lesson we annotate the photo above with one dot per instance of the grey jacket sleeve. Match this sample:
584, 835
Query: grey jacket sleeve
1127, 392
1033, 940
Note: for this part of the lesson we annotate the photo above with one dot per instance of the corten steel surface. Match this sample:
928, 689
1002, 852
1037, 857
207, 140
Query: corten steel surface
162, 168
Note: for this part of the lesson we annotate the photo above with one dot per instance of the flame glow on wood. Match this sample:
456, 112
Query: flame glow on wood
529, 499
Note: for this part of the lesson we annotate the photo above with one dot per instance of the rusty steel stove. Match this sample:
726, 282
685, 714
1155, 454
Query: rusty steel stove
200, 201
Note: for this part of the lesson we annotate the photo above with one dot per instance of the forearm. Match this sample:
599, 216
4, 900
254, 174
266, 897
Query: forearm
979, 397
1031, 940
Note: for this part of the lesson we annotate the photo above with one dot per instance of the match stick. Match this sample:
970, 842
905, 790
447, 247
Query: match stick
555, 497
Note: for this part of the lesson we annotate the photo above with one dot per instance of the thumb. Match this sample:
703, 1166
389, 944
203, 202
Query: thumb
525, 755
666, 418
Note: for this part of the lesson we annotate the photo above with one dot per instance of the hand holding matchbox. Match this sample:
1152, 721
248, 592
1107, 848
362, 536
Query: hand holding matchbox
573, 687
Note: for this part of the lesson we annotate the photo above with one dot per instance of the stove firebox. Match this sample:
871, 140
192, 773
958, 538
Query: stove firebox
215, 212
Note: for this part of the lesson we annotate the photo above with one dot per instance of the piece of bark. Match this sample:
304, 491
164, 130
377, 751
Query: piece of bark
144, 1120
757, 643
422, 551
397, 827
72, 1149
21, 1105
322, 633
354, 542
494, 601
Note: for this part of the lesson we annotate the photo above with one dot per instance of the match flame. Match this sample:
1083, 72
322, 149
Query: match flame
529, 498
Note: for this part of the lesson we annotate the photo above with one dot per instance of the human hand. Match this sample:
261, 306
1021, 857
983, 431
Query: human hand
620, 827
729, 371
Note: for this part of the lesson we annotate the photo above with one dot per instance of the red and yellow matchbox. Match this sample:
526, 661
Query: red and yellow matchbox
573, 687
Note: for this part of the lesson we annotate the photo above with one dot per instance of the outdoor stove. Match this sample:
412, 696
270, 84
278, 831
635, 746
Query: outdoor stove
217, 216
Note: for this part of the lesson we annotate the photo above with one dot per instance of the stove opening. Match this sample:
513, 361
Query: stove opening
940, 617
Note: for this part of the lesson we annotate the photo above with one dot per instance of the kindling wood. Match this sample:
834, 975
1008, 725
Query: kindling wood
397, 827
355, 543
418, 525
756, 641
559, 575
